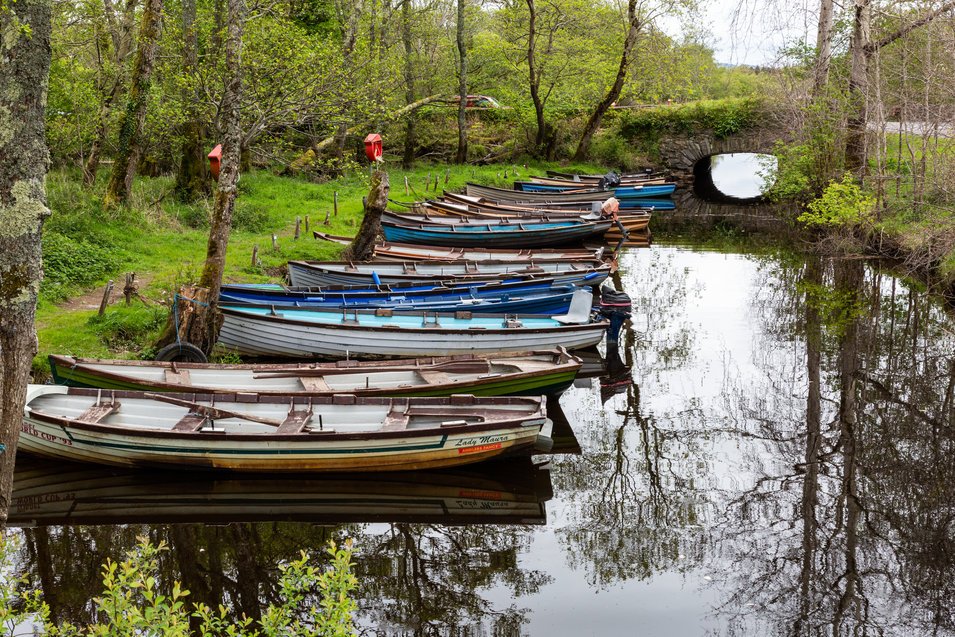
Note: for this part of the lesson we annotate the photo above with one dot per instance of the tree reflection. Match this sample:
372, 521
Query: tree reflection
867, 545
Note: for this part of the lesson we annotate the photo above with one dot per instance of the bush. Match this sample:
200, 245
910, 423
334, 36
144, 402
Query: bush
131, 327
842, 204
73, 263
133, 604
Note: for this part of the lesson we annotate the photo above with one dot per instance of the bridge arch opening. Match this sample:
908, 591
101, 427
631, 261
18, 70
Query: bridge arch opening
734, 177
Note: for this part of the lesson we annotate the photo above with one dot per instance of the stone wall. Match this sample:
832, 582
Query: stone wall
680, 153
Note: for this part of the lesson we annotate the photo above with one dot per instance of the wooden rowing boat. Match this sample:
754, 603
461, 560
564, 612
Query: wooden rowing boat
620, 192
304, 333
635, 221
589, 183
634, 206
586, 197
46, 493
322, 273
498, 374
458, 232
252, 432
524, 297
387, 250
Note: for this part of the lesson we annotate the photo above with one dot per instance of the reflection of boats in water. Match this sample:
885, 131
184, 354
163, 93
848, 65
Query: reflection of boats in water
565, 441
617, 378
506, 492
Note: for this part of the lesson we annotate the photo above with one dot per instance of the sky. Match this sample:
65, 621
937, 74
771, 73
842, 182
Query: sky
751, 31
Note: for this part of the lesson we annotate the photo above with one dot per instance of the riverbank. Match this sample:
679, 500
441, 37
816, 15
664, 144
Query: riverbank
164, 242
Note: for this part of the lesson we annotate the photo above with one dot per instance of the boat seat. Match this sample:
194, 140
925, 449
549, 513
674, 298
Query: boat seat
98, 411
435, 377
580, 306
395, 421
177, 376
314, 383
295, 422
190, 422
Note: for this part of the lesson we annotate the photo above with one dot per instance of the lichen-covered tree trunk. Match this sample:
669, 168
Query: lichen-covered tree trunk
534, 76
192, 178
634, 24
129, 143
121, 34
462, 155
410, 139
198, 311
363, 247
823, 46
24, 75
858, 87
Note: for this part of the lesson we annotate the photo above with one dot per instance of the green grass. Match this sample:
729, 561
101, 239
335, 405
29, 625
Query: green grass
164, 243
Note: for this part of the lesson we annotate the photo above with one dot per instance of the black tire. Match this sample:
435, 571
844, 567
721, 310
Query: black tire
181, 352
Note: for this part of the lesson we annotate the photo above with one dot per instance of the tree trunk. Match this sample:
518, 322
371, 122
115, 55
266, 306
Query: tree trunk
24, 160
593, 123
823, 46
363, 247
121, 34
462, 155
534, 76
858, 88
198, 316
192, 179
407, 159
129, 143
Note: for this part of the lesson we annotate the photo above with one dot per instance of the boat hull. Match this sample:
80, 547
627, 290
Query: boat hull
621, 192
310, 275
530, 238
530, 375
56, 434
264, 335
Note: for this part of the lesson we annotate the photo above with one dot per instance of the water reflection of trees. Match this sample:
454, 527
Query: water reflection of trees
857, 536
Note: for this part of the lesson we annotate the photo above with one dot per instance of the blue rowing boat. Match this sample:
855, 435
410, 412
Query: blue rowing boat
621, 192
530, 297
500, 235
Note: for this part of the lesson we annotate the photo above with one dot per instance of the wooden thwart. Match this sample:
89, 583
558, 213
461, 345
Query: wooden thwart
98, 411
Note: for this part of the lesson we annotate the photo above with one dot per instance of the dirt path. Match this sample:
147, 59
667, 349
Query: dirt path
92, 299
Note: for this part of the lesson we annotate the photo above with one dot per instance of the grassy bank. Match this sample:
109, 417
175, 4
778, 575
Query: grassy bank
917, 223
164, 243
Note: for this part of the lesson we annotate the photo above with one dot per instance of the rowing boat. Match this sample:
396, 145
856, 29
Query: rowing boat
323, 273
524, 297
534, 234
252, 432
387, 250
305, 333
620, 192
587, 197
498, 374
631, 221
550, 205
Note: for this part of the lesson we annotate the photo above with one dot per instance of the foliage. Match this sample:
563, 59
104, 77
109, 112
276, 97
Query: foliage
129, 327
71, 264
312, 601
842, 204
643, 128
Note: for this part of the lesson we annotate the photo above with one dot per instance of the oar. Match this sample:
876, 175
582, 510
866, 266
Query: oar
215, 413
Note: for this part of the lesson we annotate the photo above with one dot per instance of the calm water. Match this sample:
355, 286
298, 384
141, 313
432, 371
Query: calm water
777, 460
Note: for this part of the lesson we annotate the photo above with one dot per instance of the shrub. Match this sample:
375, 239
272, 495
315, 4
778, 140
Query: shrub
842, 204
73, 263
129, 327
133, 604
